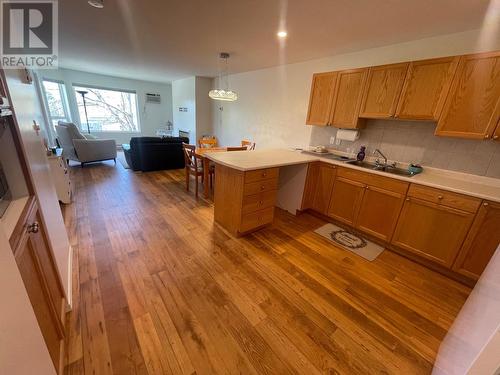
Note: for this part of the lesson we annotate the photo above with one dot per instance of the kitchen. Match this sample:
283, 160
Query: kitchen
447, 220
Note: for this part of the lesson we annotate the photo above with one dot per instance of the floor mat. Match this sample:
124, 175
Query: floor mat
351, 241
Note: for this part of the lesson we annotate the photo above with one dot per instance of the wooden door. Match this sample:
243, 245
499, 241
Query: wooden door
379, 212
321, 98
382, 91
431, 230
324, 187
481, 242
39, 274
472, 108
425, 88
347, 98
345, 200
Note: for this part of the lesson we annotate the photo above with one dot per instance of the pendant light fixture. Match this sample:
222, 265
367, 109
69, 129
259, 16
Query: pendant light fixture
223, 93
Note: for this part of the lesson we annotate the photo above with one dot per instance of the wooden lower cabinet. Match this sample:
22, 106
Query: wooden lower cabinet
379, 212
319, 185
244, 201
40, 277
481, 242
432, 231
346, 199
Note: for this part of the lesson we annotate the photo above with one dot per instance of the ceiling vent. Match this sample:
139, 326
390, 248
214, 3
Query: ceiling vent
153, 98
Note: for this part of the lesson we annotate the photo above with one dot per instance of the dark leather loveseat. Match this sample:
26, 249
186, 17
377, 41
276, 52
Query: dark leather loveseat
155, 153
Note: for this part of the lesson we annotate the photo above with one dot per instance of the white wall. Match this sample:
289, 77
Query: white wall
272, 104
203, 107
151, 116
184, 96
192, 93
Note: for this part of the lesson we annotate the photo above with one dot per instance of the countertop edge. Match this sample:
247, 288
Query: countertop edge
311, 158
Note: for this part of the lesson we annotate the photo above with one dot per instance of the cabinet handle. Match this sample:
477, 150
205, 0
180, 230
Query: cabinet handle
407, 199
486, 136
495, 137
261, 202
33, 228
485, 204
262, 187
264, 174
440, 197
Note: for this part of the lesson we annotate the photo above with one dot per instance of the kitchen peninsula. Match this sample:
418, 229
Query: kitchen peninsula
443, 219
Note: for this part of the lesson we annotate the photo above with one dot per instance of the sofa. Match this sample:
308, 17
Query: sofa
155, 153
83, 148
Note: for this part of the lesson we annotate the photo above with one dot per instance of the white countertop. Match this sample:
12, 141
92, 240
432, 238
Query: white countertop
478, 186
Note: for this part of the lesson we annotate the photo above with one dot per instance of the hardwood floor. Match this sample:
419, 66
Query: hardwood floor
158, 289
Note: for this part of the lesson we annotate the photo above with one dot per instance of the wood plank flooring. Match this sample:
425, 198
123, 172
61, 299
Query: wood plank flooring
158, 289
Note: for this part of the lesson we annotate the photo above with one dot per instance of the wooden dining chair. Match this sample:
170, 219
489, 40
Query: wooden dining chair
248, 144
243, 148
207, 142
193, 167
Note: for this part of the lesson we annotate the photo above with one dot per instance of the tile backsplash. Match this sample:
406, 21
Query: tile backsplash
414, 141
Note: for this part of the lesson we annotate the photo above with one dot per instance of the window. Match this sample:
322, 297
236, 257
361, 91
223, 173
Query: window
57, 102
107, 110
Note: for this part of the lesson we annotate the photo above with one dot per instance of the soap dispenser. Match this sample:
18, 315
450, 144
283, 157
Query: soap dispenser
361, 154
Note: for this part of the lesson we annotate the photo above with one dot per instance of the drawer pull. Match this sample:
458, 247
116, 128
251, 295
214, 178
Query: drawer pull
262, 187
264, 174
485, 204
495, 137
407, 199
440, 197
261, 202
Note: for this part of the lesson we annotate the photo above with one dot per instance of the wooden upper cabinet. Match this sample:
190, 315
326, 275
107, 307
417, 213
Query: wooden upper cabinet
425, 88
472, 108
321, 98
481, 242
347, 98
383, 89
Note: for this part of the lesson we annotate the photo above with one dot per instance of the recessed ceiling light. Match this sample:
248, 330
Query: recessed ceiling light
96, 3
282, 34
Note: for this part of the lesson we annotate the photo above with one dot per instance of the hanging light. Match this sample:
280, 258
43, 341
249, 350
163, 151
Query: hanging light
223, 93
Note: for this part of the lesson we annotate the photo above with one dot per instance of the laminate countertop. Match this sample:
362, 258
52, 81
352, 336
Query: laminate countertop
477, 186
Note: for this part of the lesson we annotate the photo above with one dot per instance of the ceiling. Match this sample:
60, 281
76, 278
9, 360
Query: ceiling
164, 40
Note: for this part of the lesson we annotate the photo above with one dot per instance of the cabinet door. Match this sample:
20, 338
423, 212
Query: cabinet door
324, 187
496, 134
383, 89
430, 230
379, 212
310, 185
41, 281
472, 107
347, 98
346, 199
481, 242
426, 85
321, 98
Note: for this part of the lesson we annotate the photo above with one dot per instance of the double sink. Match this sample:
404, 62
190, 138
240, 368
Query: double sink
387, 168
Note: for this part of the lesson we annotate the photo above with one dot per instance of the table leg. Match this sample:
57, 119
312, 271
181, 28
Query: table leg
206, 184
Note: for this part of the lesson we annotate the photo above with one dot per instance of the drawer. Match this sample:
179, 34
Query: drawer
259, 201
256, 219
261, 174
446, 198
260, 187
386, 183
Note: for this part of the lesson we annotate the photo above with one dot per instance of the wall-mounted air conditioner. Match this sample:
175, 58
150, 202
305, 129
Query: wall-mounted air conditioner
153, 98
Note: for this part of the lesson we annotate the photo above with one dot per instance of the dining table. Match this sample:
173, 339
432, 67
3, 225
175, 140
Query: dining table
201, 153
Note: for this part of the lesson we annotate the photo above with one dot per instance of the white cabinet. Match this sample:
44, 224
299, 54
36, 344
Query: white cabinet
60, 177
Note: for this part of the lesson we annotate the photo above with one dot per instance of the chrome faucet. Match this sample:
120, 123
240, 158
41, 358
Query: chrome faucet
379, 165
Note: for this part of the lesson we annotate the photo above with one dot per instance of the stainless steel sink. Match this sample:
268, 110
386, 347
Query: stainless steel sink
377, 167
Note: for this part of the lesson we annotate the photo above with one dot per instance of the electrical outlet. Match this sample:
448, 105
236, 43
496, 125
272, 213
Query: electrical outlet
338, 142
332, 139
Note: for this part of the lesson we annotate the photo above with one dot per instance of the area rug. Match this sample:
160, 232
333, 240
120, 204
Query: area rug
351, 241
120, 156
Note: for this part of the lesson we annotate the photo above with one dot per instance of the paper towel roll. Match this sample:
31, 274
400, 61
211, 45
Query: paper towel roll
347, 135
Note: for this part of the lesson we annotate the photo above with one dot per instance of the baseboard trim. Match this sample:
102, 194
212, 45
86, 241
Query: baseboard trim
69, 300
